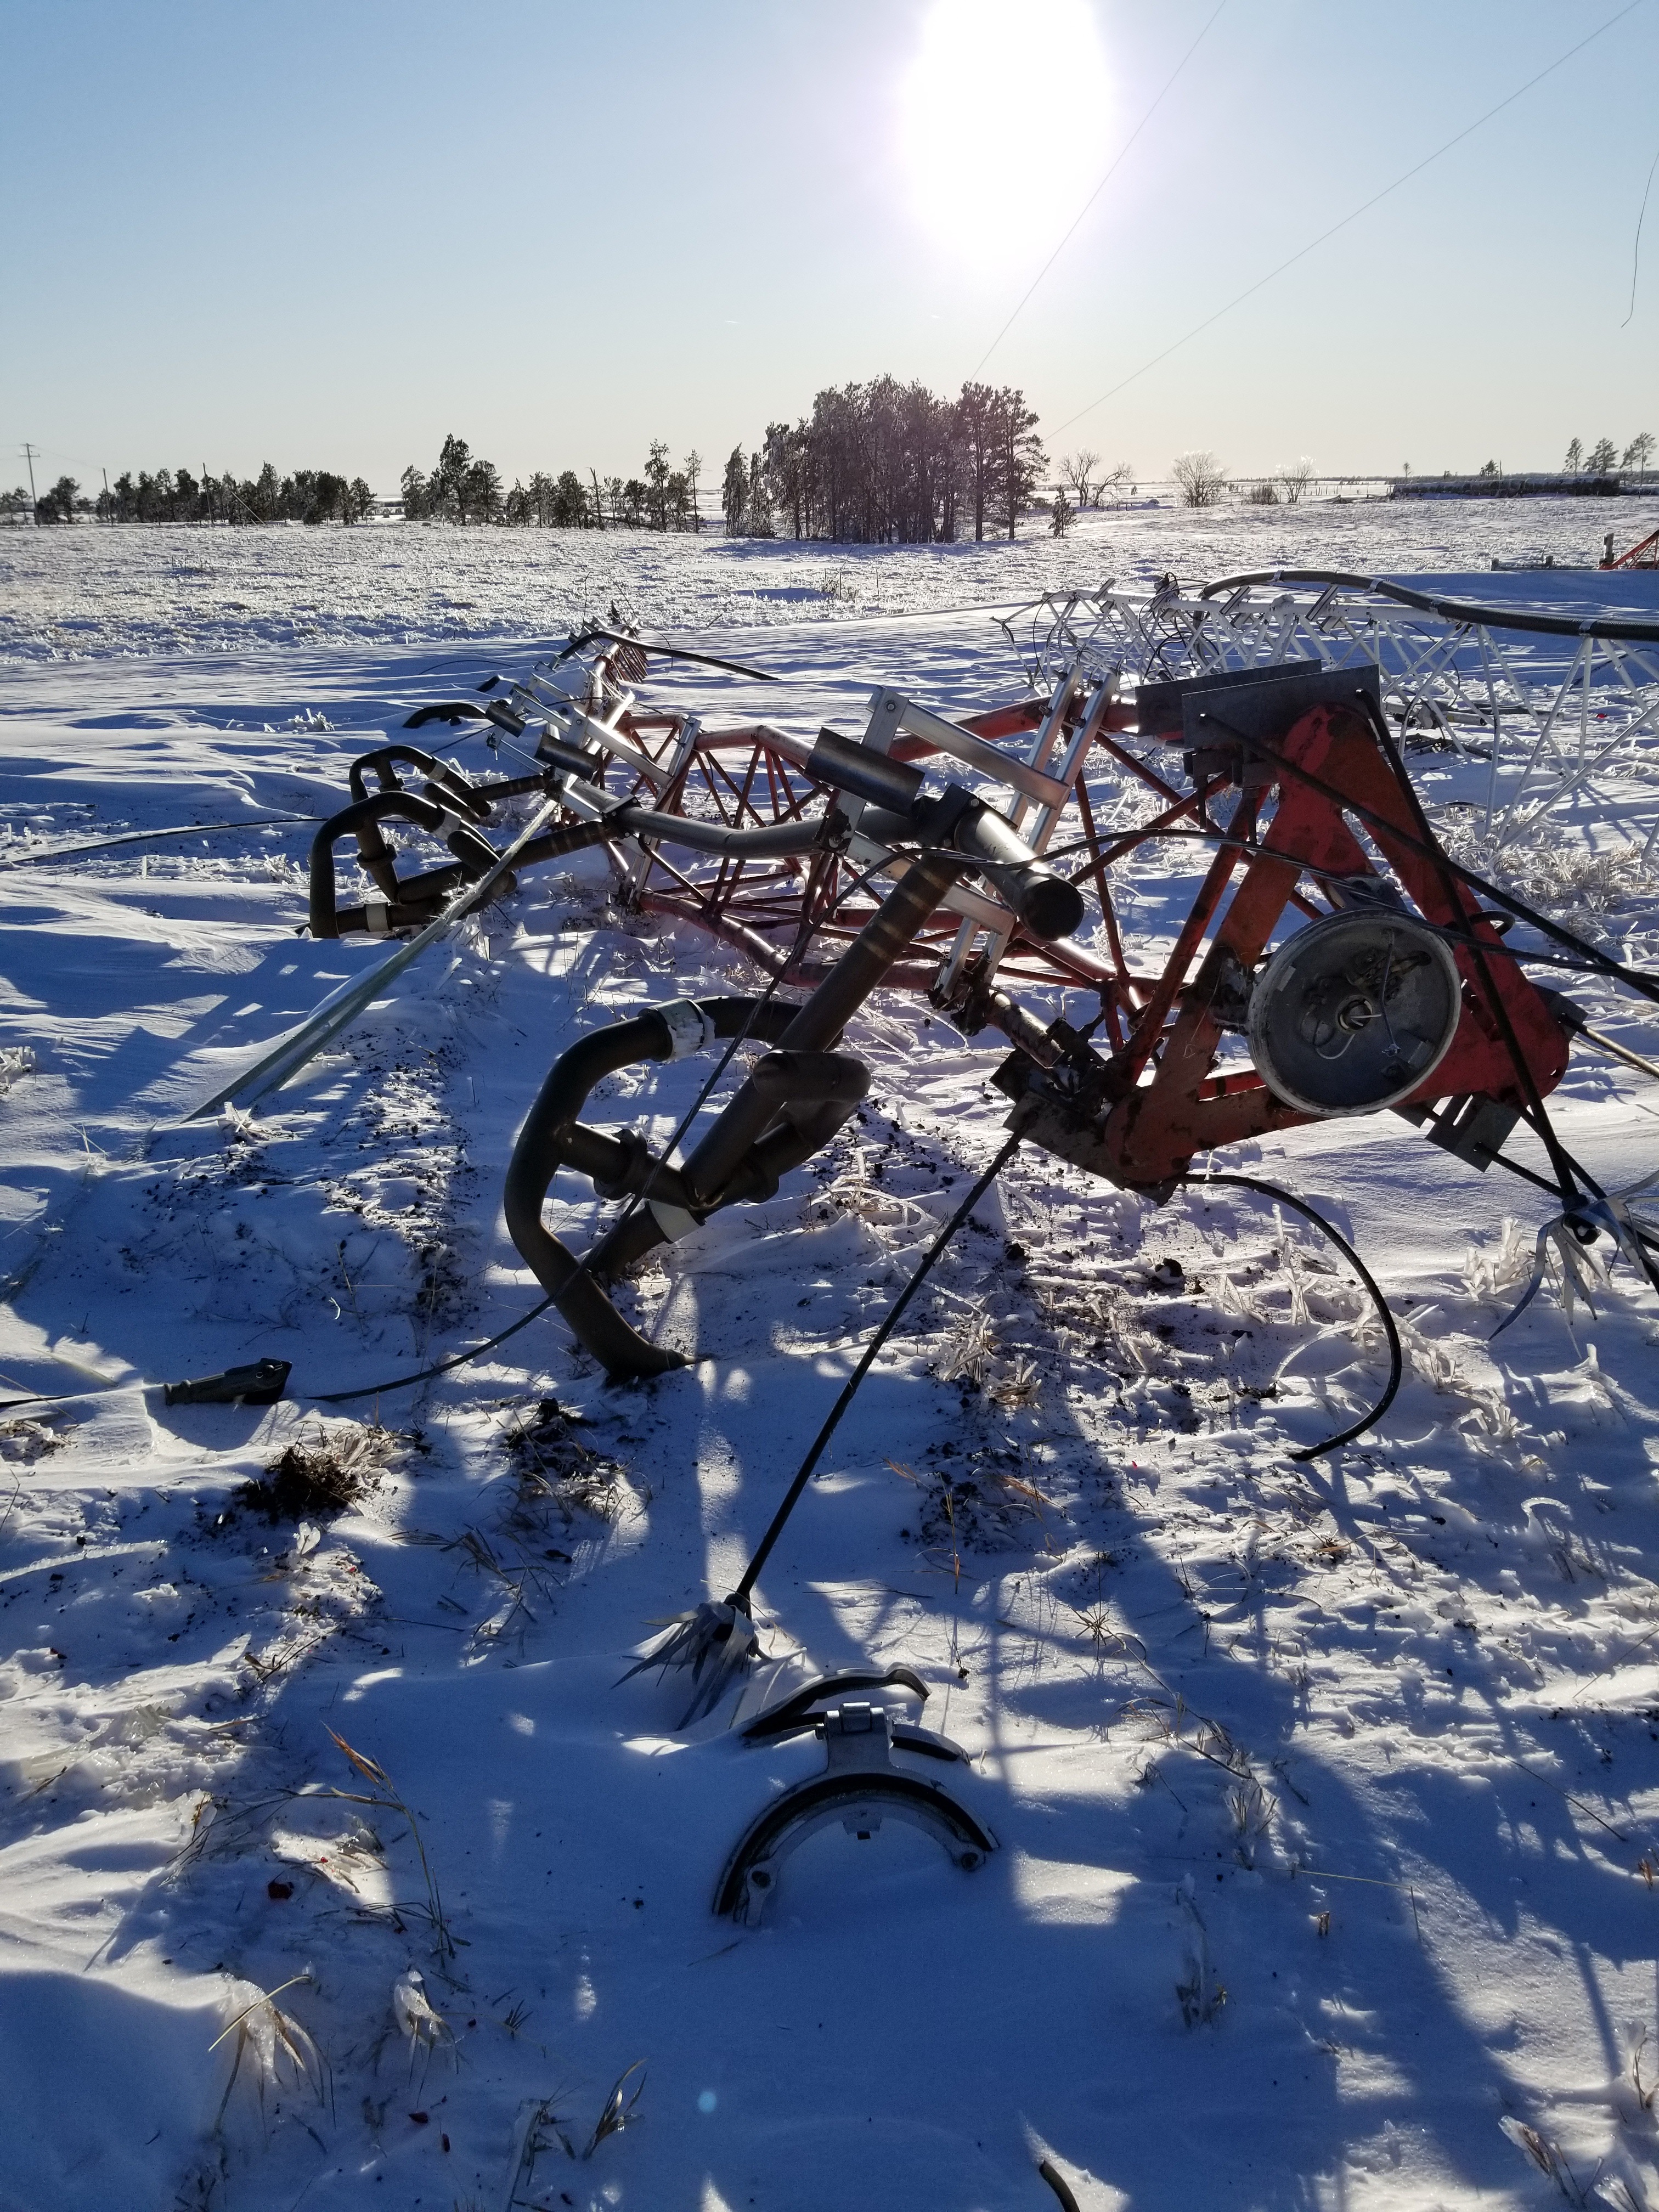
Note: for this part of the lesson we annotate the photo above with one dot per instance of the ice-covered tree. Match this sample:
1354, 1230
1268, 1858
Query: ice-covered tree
1019, 451
657, 473
734, 493
483, 496
760, 498
446, 488
1077, 473
976, 419
1202, 478
57, 504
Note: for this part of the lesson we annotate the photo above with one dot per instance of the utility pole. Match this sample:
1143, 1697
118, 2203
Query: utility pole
29, 452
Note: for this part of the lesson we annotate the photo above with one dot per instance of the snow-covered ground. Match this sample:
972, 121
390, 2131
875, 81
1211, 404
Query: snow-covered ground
1326, 1793
90, 591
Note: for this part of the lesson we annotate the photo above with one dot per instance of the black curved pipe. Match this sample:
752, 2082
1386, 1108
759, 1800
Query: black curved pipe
1455, 610
362, 820
1049, 905
384, 761
769, 841
812, 1094
898, 808
551, 1139
449, 710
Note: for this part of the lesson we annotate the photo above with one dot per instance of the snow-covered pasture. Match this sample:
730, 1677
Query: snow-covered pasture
93, 590
1326, 1793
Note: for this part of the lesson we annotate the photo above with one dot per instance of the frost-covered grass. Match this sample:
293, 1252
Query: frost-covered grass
93, 590
337, 1870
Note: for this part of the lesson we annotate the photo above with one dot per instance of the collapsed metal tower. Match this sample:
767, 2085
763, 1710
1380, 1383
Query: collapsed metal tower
1556, 713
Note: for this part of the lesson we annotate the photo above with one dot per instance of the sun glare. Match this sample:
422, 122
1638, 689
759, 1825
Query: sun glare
1005, 113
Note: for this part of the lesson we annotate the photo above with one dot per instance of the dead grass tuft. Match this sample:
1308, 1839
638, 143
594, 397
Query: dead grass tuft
1547, 2157
310, 1480
554, 1468
22, 1442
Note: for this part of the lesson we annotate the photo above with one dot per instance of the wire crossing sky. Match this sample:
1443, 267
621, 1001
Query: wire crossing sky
1118, 160
327, 235
1364, 208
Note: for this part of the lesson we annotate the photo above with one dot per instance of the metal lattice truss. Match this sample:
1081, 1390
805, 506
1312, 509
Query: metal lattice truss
1562, 712
1030, 756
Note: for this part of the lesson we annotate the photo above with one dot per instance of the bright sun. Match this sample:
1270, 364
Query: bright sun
1004, 114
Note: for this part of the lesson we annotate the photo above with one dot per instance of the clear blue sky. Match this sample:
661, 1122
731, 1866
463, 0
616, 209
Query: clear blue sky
328, 234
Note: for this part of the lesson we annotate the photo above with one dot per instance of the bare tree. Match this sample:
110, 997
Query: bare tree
1201, 478
1295, 480
1115, 479
1077, 472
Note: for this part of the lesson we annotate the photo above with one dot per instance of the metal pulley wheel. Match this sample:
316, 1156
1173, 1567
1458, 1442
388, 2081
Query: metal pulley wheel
1354, 1013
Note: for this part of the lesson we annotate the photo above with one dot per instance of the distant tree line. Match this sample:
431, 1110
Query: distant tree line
1604, 457
890, 464
465, 489
177, 496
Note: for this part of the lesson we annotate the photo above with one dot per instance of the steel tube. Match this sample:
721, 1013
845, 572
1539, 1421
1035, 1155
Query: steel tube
881, 943
551, 1138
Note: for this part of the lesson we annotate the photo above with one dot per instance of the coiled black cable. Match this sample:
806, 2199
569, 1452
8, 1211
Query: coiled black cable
1396, 1357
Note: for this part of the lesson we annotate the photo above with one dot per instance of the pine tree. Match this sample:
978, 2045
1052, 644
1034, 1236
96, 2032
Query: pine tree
760, 499
446, 492
977, 414
482, 492
570, 508
656, 480
734, 493
1018, 456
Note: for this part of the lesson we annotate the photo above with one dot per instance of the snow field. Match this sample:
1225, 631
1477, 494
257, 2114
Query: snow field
1325, 1792
71, 594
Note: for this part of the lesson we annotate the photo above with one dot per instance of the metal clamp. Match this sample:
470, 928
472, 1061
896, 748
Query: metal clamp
859, 1788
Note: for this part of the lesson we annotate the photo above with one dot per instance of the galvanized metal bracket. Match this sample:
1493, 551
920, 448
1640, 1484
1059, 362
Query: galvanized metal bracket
860, 1787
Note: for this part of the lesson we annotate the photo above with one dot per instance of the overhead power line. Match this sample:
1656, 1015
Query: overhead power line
1354, 214
1636, 250
1121, 151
